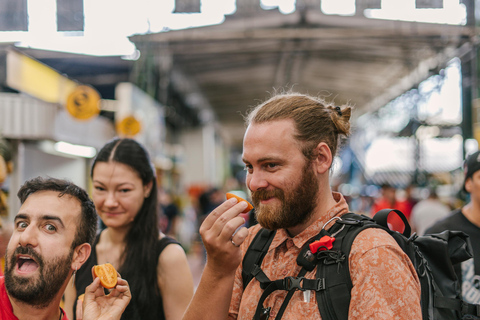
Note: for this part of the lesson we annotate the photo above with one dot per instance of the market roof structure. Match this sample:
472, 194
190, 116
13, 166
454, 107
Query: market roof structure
225, 69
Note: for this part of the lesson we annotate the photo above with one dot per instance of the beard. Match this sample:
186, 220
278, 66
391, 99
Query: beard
296, 205
38, 290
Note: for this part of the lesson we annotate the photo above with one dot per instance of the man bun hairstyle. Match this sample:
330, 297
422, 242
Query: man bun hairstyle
315, 120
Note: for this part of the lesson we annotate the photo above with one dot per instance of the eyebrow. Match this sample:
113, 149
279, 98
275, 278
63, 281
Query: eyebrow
97, 181
120, 184
264, 159
22, 216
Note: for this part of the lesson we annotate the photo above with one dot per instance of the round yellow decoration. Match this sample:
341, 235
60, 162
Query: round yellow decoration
129, 126
83, 103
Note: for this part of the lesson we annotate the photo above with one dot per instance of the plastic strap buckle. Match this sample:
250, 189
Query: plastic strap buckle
293, 283
320, 284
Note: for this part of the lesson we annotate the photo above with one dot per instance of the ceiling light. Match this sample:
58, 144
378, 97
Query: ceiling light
75, 149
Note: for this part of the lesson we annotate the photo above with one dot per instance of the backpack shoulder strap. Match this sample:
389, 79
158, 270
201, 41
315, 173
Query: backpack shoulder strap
334, 301
255, 254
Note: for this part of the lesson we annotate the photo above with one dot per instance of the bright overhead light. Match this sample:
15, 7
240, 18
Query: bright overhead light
75, 149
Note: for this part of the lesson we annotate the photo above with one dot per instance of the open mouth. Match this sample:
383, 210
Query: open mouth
26, 264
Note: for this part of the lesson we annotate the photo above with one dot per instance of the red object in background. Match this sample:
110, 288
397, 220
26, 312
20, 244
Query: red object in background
394, 221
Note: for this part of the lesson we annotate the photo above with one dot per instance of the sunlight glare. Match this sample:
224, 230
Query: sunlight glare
340, 7
452, 12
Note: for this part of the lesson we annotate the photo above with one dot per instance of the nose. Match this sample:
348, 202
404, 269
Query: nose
256, 181
111, 200
29, 236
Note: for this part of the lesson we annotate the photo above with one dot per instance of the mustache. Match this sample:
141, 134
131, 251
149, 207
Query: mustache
28, 251
260, 195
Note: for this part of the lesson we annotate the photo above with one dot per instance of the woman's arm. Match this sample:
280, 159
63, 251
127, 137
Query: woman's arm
175, 281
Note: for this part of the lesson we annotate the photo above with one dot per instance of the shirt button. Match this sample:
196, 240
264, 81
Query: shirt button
289, 243
284, 272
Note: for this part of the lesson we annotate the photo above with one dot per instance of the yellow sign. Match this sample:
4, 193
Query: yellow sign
37, 79
83, 103
129, 126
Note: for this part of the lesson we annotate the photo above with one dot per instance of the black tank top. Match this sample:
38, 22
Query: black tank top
83, 279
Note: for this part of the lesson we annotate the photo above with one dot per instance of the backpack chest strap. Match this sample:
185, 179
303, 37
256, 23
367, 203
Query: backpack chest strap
290, 284
287, 283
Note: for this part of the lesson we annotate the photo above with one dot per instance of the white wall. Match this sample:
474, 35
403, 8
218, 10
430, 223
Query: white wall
31, 162
203, 160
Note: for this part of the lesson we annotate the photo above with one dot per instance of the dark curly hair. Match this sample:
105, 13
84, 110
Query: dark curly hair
87, 227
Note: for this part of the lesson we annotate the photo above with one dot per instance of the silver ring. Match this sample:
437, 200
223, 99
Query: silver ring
234, 243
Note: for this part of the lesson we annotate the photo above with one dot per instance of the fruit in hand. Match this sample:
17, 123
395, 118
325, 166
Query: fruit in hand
231, 195
107, 274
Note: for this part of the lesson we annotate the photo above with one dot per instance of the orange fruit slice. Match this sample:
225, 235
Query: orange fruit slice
80, 297
231, 195
107, 274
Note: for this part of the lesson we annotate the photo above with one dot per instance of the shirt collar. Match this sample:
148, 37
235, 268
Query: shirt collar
339, 209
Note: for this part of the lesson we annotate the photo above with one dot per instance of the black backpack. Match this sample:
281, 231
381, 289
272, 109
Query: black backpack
433, 256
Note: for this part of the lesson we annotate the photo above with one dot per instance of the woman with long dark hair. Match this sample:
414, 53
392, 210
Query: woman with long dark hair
155, 266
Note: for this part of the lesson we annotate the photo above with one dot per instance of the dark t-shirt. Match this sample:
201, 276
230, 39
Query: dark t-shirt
468, 271
84, 279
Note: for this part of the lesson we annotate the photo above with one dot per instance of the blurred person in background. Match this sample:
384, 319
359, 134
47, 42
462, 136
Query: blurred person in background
52, 237
155, 265
209, 200
169, 212
388, 200
407, 200
467, 219
428, 211
6, 167
6, 229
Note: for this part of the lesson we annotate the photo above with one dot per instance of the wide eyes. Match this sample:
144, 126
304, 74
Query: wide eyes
22, 225
50, 227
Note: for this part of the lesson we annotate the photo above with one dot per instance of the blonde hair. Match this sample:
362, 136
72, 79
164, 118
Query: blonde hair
315, 120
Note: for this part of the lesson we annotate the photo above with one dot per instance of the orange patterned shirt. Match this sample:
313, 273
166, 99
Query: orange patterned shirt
385, 283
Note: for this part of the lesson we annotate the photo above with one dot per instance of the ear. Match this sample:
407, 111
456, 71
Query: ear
323, 159
80, 255
468, 185
147, 189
